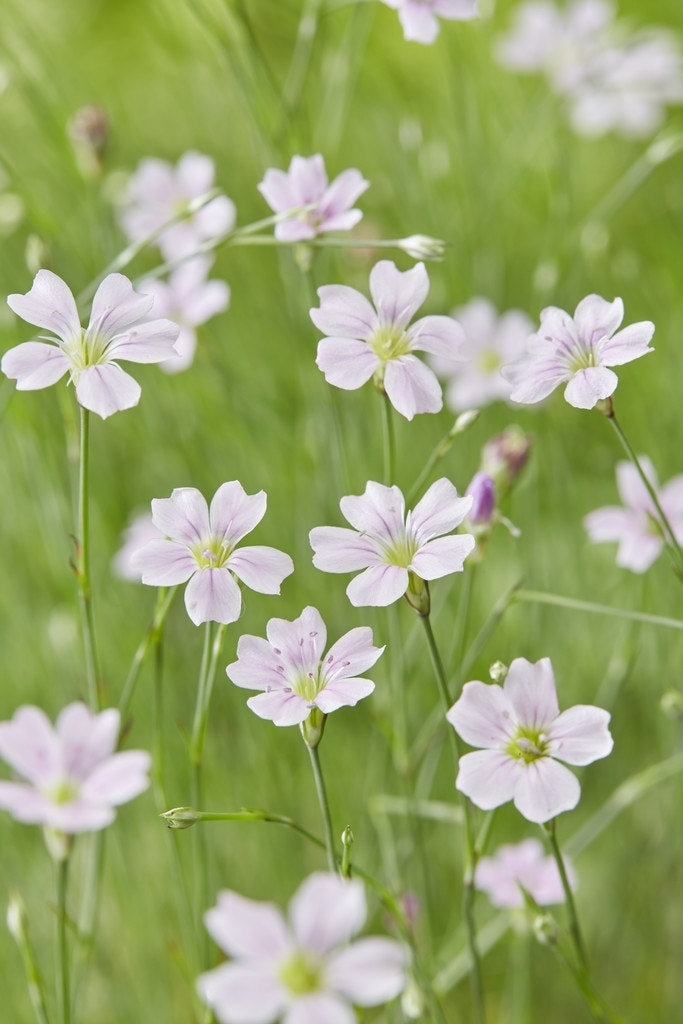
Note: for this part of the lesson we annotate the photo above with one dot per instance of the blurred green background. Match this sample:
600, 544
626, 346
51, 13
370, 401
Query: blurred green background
453, 146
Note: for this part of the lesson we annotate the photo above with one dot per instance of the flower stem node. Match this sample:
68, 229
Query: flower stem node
417, 595
313, 727
180, 817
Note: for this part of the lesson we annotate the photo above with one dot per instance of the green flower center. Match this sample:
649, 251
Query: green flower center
389, 342
582, 359
212, 554
86, 349
301, 974
488, 361
63, 792
528, 744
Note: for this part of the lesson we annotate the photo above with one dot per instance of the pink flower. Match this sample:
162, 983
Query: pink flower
391, 545
139, 531
419, 17
366, 341
491, 341
118, 329
189, 300
200, 546
635, 527
524, 737
295, 675
157, 192
578, 351
74, 778
302, 970
517, 866
305, 183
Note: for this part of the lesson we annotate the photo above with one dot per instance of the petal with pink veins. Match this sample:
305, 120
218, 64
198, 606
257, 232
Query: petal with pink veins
345, 362
49, 304
336, 549
530, 688
280, 707
378, 586
184, 517
488, 777
483, 716
343, 693
213, 596
439, 511
163, 563
412, 387
442, 556
352, 653
234, 513
262, 568
378, 513
34, 365
106, 389
257, 665
440, 336
629, 344
587, 387
116, 306
151, 342
597, 319
344, 312
398, 295
545, 789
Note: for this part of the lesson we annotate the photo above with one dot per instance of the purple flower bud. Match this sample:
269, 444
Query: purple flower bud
483, 490
504, 456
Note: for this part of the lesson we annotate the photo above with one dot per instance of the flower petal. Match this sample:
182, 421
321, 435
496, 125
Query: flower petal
327, 910
163, 563
318, 1007
378, 586
34, 365
243, 993
441, 336
299, 643
580, 735
345, 362
247, 928
378, 513
258, 667
418, 22
280, 707
151, 342
336, 549
398, 295
234, 513
412, 387
352, 653
30, 745
369, 972
488, 777
276, 190
213, 596
588, 387
106, 388
343, 693
596, 319
262, 568
483, 716
442, 556
439, 511
530, 688
184, 517
545, 789
344, 312
342, 193
119, 779
116, 306
50, 304
25, 804
86, 738
629, 344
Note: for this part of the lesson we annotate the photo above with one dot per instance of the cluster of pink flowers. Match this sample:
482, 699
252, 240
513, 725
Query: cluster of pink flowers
419, 18
613, 78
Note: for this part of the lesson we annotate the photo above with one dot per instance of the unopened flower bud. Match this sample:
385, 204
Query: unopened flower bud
483, 490
347, 837
413, 1000
88, 130
36, 253
504, 456
545, 929
498, 672
671, 703
313, 727
464, 421
423, 247
17, 919
417, 595
180, 817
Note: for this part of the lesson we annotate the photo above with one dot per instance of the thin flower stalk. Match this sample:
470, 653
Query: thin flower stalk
577, 938
324, 805
152, 639
389, 444
94, 681
17, 924
573, 604
63, 960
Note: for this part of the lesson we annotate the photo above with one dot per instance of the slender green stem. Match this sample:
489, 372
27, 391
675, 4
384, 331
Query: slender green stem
539, 597
64, 977
207, 674
669, 536
152, 638
308, 26
324, 806
574, 928
471, 854
17, 923
389, 447
83, 567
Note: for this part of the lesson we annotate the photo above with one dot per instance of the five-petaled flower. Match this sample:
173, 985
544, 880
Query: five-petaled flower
74, 778
518, 867
158, 192
199, 545
524, 737
391, 546
296, 676
636, 527
305, 184
119, 329
367, 341
302, 970
577, 351
419, 18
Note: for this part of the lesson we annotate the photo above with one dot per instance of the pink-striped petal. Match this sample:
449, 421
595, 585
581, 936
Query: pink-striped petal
151, 342
488, 777
336, 549
398, 295
106, 389
483, 716
346, 362
262, 568
378, 513
629, 344
351, 654
530, 688
280, 707
343, 693
442, 556
412, 387
234, 513
545, 789
588, 387
378, 586
439, 511
49, 304
163, 563
34, 365
344, 312
184, 517
116, 306
597, 319
258, 666
213, 596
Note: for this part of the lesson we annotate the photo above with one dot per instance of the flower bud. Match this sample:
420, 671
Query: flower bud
545, 929
464, 421
36, 253
347, 837
423, 247
17, 919
417, 595
413, 1000
88, 130
498, 672
483, 490
504, 456
180, 817
671, 703
312, 729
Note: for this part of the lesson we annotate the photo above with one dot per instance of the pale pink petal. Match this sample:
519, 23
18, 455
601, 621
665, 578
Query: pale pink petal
533, 379
441, 336
378, 513
671, 499
257, 665
442, 556
195, 173
412, 387
184, 517
29, 744
277, 191
118, 779
378, 586
637, 551
34, 365
545, 789
370, 971
308, 178
580, 735
295, 230
483, 716
184, 350
343, 693
337, 549
116, 306
327, 910
587, 387
346, 362
439, 511
418, 22
488, 777
25, 804
105, 389
596, 319
151, 342
342, 221
243, 993
457, 10
86, 738
631, 343
234, 513
205, 302
299, 644
78, 816
398, 295
213, 596
530, 688
247, 928
343, 192
163, 563
632, 490
216, 219
49, 304
280, 707
319, 1007
262, 568
610, 524
351, 654
344, 312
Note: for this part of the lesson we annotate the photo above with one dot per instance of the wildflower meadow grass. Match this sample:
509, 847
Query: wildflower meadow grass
332, 224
